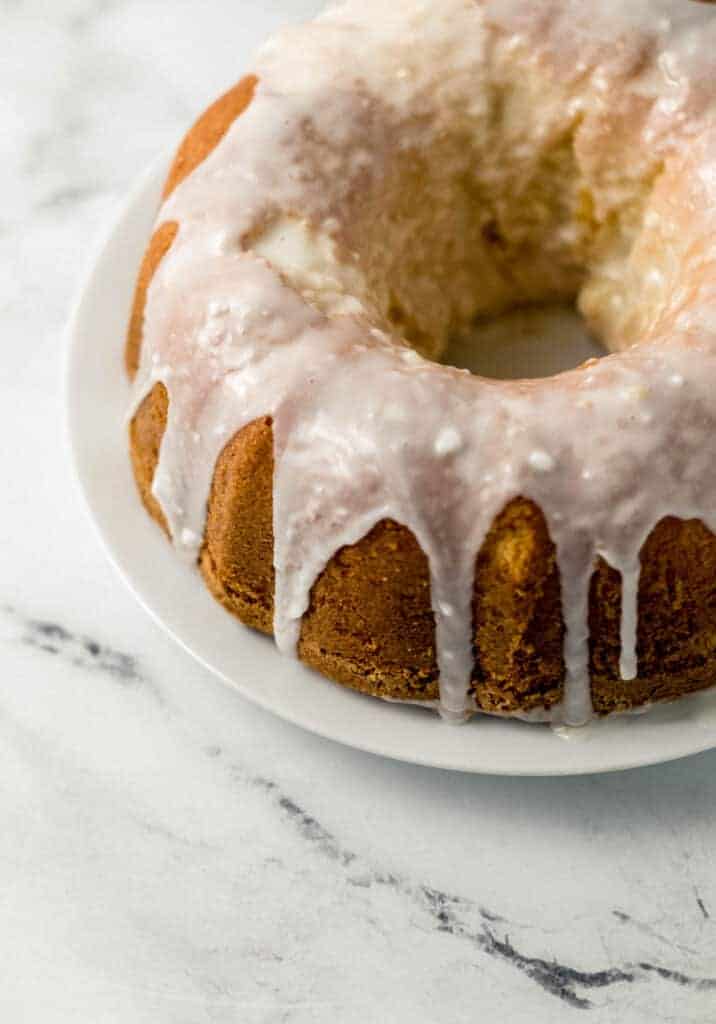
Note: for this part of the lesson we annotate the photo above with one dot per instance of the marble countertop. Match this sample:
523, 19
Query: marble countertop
170, 854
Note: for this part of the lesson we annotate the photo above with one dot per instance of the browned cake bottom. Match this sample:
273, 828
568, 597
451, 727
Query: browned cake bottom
370, 625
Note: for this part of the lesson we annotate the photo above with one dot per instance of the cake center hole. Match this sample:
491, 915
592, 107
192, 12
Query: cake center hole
533, 341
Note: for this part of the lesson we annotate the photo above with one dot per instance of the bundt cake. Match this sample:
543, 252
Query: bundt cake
388, 174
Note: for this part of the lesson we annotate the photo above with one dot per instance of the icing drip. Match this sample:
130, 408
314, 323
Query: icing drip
400, 172
576, 561
628, 624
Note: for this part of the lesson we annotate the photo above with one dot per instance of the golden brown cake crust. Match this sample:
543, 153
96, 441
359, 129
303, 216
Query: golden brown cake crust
208, 131
370, 625
159, 245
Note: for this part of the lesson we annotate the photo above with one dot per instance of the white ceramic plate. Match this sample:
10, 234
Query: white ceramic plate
97, 396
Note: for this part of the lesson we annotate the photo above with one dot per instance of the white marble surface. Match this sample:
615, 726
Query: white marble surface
168, 853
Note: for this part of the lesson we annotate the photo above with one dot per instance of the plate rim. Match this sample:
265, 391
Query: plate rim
137, 196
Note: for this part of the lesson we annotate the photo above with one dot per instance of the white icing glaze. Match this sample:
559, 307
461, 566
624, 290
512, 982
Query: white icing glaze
275, 298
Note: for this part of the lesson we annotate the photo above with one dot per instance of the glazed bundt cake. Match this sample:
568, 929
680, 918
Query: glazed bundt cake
389, 174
